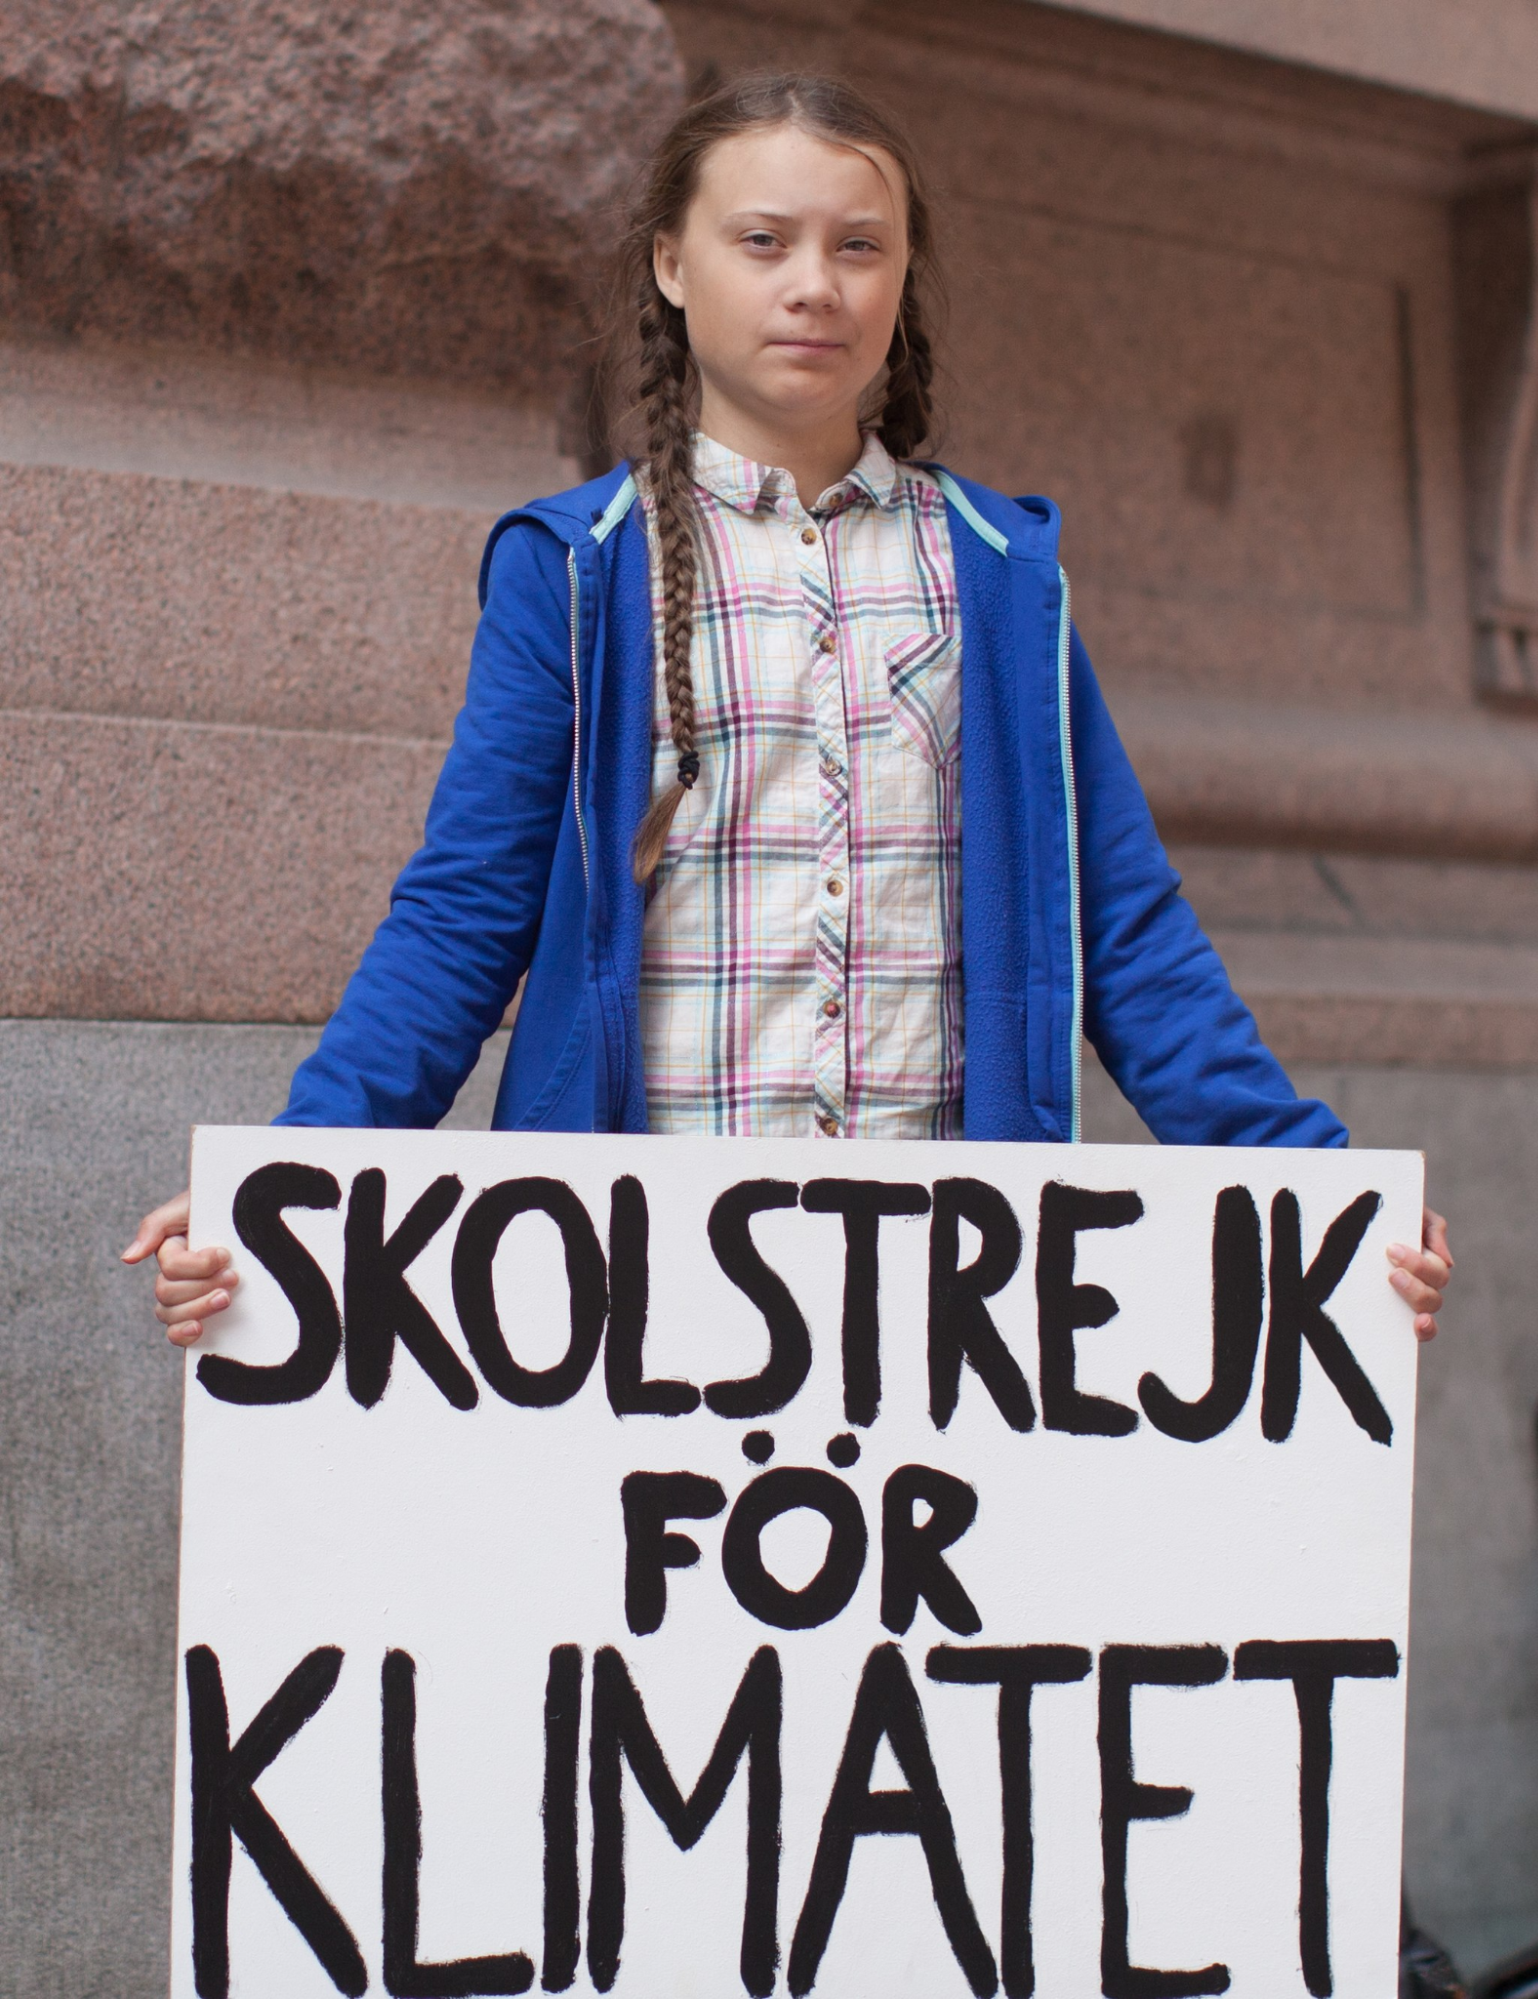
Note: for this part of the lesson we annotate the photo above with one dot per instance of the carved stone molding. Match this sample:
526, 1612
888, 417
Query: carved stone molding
1494, 274
1256, 774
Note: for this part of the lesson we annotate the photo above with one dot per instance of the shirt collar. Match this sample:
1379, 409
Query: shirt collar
746, 485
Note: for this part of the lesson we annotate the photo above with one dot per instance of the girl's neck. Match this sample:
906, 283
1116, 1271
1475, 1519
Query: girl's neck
817, 456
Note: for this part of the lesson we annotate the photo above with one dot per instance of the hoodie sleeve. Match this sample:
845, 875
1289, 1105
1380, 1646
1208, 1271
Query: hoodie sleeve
1179, 1042
466, 909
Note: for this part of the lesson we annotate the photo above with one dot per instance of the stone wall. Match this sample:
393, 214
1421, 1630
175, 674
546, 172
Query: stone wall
395, 187
291, 307
239, 602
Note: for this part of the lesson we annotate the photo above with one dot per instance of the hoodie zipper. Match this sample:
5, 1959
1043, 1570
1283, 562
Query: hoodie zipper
582, 830
1071, 817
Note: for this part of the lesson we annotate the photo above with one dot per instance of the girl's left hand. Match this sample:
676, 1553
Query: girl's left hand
1421, 1275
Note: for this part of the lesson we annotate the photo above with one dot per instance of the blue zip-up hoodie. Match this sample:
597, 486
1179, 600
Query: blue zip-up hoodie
1072, 918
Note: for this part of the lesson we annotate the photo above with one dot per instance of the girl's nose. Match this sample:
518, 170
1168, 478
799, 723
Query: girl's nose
813, 283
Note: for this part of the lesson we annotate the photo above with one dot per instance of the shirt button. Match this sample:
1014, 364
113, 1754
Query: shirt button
828, 643
832, 1009
832, 767
829, 1126
809, 535
836, 888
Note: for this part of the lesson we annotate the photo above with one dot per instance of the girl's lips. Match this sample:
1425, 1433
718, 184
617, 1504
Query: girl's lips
809, 346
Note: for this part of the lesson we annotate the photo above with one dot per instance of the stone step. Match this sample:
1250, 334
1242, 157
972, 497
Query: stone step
1431, 782
1420, 1002
208, 541
193, 871
136, 594
176, 413
177, 600
239, 600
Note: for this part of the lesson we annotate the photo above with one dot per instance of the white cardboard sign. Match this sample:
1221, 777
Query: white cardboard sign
683, 1567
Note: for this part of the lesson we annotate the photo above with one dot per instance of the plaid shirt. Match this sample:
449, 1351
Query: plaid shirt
801, 964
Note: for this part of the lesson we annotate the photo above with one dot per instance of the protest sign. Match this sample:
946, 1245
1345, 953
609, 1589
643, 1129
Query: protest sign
682, 1567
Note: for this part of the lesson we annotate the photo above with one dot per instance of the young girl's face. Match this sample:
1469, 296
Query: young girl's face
789, 269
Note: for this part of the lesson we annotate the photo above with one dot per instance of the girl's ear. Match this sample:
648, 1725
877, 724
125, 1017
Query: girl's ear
665, 268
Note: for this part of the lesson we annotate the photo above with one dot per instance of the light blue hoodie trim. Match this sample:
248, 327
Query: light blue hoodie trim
616, 511
1071, 815
964, 506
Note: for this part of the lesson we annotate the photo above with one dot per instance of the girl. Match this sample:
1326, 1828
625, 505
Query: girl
783, 782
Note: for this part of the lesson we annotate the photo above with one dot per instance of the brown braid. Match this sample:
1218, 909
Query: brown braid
663, 387
907, 414
650, 367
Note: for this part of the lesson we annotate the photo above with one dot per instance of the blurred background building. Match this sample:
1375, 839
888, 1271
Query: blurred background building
293, 303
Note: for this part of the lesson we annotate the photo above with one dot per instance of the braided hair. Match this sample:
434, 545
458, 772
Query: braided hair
650, 368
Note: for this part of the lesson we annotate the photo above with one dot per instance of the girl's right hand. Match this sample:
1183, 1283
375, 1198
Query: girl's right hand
193, 1284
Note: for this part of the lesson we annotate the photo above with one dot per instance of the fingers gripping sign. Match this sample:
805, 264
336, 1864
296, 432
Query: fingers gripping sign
1421, 1276
193, 1284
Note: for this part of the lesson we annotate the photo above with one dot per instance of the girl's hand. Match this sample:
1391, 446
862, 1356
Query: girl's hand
1421, 1275
193, 1284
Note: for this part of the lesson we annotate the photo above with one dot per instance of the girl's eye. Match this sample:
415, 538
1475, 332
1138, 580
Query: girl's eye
859, 243
760, 239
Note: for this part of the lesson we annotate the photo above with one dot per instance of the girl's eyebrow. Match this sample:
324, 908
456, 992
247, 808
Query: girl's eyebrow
780, 215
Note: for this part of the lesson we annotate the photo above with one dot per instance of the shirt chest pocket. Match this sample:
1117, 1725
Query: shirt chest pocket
924, 685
